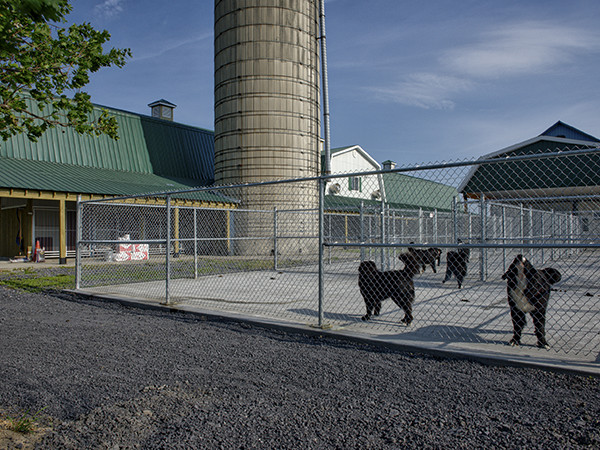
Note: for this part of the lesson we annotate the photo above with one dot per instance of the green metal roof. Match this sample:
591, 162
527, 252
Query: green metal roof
542, 174
417, 192
56, 177
402, 192
146, 145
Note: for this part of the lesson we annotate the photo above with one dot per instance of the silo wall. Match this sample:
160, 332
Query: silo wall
267, 105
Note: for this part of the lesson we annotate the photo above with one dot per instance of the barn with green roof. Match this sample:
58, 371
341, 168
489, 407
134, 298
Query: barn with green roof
571, 173
41, 181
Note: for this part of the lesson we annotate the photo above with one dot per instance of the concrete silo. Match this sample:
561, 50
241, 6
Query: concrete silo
267, 100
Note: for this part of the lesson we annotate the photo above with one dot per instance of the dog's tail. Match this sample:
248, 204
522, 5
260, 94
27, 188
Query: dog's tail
552, 275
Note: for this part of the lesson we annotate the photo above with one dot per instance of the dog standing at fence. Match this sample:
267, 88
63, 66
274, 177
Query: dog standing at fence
427, 257
528, 291
377, 286
456, 265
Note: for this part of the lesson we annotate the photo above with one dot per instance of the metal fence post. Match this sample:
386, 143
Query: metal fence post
571, 231
552, 234
382, 227
483, 267
470, 226
420, 225
321, 243
275, 238
435, 226
542, 239
329, 236
522, 225
455, 219
362, 230
370, 233
531, 234
168, 252
394, 237
77, 245
195, 244
503, 238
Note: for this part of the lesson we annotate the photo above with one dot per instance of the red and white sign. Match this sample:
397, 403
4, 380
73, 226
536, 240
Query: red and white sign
132, 252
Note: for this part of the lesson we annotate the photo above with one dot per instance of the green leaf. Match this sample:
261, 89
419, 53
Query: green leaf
40, 64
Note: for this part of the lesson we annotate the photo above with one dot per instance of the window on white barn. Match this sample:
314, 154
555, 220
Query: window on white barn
355, 184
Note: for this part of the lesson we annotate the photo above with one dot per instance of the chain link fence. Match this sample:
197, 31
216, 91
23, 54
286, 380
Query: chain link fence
292, 251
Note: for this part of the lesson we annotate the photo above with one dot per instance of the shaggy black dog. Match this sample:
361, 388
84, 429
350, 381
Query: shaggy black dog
427, 257
376, 286
528, 292
456, 265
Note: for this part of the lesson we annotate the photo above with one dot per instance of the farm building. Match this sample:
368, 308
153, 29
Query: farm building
387, 206
396, 190
41, 181
546, 196
571, 174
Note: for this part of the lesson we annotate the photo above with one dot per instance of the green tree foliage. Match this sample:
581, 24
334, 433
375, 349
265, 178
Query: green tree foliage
41, 62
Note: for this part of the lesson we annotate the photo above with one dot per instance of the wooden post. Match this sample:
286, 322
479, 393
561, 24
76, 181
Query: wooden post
62, 214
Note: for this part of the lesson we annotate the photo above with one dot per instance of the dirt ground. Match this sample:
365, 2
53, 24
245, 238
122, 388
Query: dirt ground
24, 441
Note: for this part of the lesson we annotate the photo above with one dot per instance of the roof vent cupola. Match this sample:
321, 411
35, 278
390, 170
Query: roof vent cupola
389, 165
162, 109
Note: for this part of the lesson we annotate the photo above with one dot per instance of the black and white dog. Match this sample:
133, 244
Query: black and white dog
456, 265
427, 257
528, 292
376, 286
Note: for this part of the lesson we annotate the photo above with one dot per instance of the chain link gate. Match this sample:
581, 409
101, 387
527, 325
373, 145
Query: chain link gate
282, 251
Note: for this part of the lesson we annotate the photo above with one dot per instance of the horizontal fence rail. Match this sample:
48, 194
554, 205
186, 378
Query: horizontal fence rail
489, 252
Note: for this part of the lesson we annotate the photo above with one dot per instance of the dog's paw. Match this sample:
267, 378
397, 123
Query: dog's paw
514, 343
544, 345
365, 318
406, 321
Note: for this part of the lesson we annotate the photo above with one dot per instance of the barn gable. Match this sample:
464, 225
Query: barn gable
570, 174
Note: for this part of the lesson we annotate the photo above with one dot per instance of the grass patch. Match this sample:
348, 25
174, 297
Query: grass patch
99, 274
39, 284
25, 423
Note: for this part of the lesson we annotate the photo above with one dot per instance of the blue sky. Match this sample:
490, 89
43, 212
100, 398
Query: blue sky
411, 81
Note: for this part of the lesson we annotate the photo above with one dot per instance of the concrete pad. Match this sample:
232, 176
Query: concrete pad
471, 322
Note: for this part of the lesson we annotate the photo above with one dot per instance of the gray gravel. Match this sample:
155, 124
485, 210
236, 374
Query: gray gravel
111, 376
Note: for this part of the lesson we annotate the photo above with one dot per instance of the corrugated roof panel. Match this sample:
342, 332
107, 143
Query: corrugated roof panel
563, 172
418, 192
56, 177
146, 145
66, 146
179, 150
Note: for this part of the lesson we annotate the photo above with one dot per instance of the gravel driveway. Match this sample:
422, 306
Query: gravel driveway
117, 377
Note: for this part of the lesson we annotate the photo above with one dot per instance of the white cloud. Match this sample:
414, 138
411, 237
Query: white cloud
109, 8
520, 49
424, 90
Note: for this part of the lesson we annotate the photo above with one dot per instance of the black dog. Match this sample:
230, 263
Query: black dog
376, 286
528, 292
427, 257
456, 265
